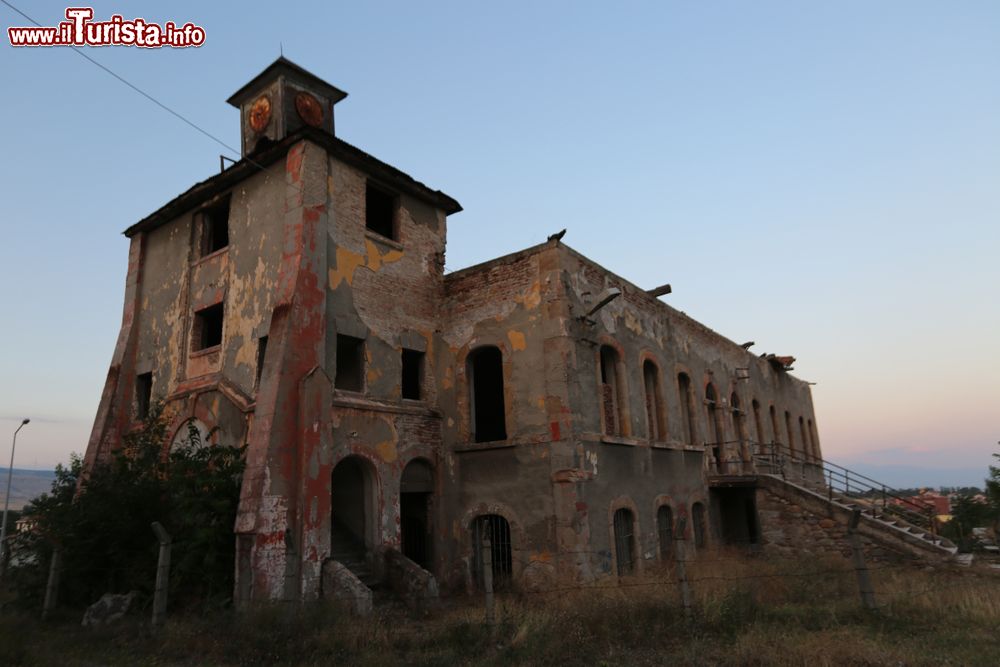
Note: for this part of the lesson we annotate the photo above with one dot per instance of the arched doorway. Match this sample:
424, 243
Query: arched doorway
415, 489
352, 502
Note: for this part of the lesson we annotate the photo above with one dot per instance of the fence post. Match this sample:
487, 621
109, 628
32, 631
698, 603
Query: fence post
680, 555
162, 575
52, 587
858, 559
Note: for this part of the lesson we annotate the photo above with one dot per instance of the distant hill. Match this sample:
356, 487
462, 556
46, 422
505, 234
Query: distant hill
25, 485
911, 477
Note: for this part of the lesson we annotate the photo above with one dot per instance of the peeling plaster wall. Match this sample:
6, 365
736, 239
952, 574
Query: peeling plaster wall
301, 268
177, 282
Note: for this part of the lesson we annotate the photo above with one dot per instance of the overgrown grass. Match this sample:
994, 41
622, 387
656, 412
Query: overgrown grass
745, 612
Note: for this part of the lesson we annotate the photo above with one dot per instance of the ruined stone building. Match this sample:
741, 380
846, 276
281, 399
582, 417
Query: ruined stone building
396, 415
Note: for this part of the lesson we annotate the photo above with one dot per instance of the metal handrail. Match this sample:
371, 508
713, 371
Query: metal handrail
841, 479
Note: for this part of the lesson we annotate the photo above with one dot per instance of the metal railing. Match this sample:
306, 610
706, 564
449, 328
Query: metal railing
870, 496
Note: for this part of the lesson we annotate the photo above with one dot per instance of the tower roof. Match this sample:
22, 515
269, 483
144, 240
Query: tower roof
285, 66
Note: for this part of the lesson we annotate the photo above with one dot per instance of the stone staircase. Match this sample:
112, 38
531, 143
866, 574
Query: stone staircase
350, 551
842, 491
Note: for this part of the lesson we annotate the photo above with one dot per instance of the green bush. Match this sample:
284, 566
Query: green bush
101, 521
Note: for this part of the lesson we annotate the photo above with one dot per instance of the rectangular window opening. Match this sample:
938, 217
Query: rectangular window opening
215, 227
380, 212
261, 353
143, 394
413, 370
207, 328
350, 363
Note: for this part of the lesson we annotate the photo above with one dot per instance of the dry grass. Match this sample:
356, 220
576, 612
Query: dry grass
747, 612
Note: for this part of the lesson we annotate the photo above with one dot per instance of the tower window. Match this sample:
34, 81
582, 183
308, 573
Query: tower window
489, 418
207, 328
215, 227
380, 212
350, 363
413, 370
143, 393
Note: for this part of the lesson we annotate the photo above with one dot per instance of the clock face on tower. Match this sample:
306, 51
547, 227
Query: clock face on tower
260, 113
309, 108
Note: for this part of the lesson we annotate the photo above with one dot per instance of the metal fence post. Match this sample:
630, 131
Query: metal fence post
162, 575
52, 587
680, 556
858, 559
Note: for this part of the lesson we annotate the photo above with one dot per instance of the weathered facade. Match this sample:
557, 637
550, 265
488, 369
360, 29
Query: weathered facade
297, 302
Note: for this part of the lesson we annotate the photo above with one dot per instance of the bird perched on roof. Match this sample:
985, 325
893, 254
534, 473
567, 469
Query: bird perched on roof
558, 236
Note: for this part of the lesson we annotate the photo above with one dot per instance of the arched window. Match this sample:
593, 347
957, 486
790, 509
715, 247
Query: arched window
791, 434
815, 440
698, 524
612, 392
624, 525
497, 530
718, 444
489, 415
775, 433
739, 425
665, 531
655, 414
687, 408
806, 445
758, 425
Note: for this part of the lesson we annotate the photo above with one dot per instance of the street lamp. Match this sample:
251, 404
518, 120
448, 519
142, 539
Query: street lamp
6, 501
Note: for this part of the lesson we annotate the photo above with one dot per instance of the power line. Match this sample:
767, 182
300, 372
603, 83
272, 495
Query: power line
138, 89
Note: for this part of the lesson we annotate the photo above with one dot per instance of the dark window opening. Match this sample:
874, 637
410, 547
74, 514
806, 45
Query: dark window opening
350, 363
774, 429
814, 434
489, 420
806, 447
495, 528
215, 227
208, 327
698, 521
718, 443
792, 451
413, 371
654, 402
739, 426
261, 355
611, 392
687, 411
665, 530
380, 212
624, 541
757, 423
143, 394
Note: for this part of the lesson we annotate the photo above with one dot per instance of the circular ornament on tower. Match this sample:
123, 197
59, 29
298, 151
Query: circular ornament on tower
260, 113
309, 108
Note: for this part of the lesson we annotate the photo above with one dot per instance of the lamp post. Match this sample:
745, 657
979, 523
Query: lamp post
6, 501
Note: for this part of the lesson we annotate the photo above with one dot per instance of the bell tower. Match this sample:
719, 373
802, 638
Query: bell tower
279, 101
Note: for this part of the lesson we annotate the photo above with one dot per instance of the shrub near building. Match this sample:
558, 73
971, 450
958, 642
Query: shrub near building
103, 531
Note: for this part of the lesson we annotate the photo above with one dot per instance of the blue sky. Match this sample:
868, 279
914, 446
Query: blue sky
818, 177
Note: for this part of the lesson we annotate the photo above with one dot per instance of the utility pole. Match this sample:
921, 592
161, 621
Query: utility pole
6, 502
